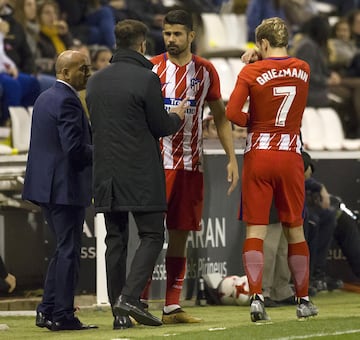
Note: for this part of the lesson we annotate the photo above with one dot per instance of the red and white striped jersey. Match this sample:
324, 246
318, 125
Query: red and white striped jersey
277, 89
199, 81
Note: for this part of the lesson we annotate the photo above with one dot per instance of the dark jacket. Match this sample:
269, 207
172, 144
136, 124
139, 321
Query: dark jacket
127, 118
47, 48
58, 169
16, 46
308, 50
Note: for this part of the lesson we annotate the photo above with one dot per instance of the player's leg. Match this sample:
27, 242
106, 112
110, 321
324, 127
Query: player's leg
185, 203
289, 200
255, 208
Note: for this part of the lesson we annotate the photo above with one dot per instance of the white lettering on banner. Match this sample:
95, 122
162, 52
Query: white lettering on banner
194, 268
336, 254
159, 272
205, 266
88, 252
198, 267
213, 234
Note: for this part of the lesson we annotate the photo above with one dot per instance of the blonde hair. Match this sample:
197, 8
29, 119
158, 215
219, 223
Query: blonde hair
274, 30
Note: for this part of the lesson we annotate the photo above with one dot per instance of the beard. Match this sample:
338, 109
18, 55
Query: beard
175, 50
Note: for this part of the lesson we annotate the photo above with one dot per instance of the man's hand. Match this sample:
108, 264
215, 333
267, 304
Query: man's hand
232, 175
181, 108
12, 71
250, 56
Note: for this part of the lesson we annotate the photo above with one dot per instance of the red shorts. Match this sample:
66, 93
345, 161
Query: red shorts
269, 175
185, 199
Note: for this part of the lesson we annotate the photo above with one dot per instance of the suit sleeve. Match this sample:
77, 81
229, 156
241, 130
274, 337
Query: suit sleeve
71, 132
161, 123
236, 102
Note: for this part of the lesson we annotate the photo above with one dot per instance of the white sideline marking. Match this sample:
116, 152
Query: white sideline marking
18, 313
216, 329
318, 335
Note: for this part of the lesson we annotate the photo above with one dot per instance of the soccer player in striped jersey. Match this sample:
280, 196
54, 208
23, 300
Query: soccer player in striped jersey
183, 74
277, 86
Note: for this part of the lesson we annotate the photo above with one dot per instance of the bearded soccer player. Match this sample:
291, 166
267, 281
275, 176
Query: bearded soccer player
277, 87
183, 74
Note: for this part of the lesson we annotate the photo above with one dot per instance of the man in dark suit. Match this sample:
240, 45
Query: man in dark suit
58, 178
127, 118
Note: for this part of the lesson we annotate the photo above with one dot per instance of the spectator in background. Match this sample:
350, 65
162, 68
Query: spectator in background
25, 13
18, 89
354, 21
298, 11
100, 57
343, 7
257, 10
90, 21
54, 37
312, 45
151, 12
342, 48
15, 43
7, 280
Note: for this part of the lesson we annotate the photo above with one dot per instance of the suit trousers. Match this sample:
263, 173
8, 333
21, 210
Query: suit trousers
66, 223
151, 230
276, 275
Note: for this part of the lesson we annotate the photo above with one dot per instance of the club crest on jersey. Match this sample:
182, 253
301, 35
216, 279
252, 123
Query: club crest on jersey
195, 85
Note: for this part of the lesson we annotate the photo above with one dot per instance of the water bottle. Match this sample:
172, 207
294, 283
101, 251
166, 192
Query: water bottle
201, 297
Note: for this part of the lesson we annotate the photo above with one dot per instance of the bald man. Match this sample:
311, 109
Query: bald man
58, 179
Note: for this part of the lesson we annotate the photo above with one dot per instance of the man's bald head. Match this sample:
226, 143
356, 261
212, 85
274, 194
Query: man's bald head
73, 67
67, 59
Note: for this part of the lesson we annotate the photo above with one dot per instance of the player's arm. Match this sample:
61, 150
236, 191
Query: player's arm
236, 103
223, 127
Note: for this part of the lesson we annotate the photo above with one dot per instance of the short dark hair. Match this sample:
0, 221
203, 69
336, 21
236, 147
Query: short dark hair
179, 17
130, 33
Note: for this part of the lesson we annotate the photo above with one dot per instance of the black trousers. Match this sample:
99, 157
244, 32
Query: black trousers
150, 227
347, 235
66, 223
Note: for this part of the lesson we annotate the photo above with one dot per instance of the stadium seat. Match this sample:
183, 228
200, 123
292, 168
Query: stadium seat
226, 75
30, 110
215, 41
312, 130
334, 137
236, 30
236, 65
20, 128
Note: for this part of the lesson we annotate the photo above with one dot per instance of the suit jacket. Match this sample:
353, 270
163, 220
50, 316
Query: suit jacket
59, 162
127, 118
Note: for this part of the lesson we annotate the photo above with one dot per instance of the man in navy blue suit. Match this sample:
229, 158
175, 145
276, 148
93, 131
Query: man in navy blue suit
58, 179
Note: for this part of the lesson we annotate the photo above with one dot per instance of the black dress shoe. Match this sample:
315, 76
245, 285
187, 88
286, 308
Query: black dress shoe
122, 322
70, 325
42, 320
126, 305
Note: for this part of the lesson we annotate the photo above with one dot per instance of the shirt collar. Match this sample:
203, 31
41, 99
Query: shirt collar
67, 84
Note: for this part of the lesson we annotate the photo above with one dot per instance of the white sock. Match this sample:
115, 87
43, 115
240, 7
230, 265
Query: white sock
170, 308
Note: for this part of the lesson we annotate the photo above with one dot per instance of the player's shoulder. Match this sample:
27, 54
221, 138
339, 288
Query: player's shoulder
157, 59
202, 61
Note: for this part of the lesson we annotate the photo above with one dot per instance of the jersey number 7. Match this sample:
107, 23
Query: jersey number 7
288, 92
